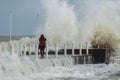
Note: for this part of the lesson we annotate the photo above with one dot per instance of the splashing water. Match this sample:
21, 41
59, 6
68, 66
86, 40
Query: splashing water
14, 67
61, 24
80, 21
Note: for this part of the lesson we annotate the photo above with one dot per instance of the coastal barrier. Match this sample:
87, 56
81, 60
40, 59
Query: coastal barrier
80, 55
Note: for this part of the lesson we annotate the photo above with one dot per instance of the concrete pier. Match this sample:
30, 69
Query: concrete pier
82, 59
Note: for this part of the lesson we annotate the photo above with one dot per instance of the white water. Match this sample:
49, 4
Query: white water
16, 67
99, 17
95, 21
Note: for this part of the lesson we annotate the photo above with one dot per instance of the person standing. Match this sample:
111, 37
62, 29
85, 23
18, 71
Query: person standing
42, 45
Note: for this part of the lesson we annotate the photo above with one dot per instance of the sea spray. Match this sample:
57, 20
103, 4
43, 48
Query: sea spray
61, 23
106, 36
10, 65
81, 21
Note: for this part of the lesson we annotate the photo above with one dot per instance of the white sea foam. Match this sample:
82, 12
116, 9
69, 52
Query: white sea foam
100, 18
13, 67
16, 67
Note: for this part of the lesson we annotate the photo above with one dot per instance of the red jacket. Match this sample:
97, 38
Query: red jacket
42, 41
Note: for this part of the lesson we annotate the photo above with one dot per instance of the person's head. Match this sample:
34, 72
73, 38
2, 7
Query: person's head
42, 35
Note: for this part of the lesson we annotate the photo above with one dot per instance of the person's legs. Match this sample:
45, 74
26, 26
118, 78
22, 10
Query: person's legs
39, 49
42, 51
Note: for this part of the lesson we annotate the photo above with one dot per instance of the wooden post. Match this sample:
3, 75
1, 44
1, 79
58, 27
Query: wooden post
87, 50
20, 49
73, 49
12, 46
24, 50
30, 48
65, 51
36, 51
56, 50
47, 51
80, 48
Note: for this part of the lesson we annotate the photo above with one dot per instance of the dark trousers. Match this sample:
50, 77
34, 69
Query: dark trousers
42, 48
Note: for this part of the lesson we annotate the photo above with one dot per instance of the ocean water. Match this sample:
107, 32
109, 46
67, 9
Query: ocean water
6, 38
16, 67
94, 21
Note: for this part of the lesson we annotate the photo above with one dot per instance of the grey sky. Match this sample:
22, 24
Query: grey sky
24, 20
24, 13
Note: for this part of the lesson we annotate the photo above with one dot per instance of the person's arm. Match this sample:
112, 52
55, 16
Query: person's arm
39, 39
45, 39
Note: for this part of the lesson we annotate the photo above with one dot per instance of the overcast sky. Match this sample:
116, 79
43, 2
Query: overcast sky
24, 16
24, 13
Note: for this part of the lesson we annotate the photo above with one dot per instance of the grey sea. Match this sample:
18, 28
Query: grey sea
6, 38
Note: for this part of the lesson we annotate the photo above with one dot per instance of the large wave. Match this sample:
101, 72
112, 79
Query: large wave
82, 21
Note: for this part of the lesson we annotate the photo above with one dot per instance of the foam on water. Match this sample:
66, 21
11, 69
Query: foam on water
98, 25
15, 67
